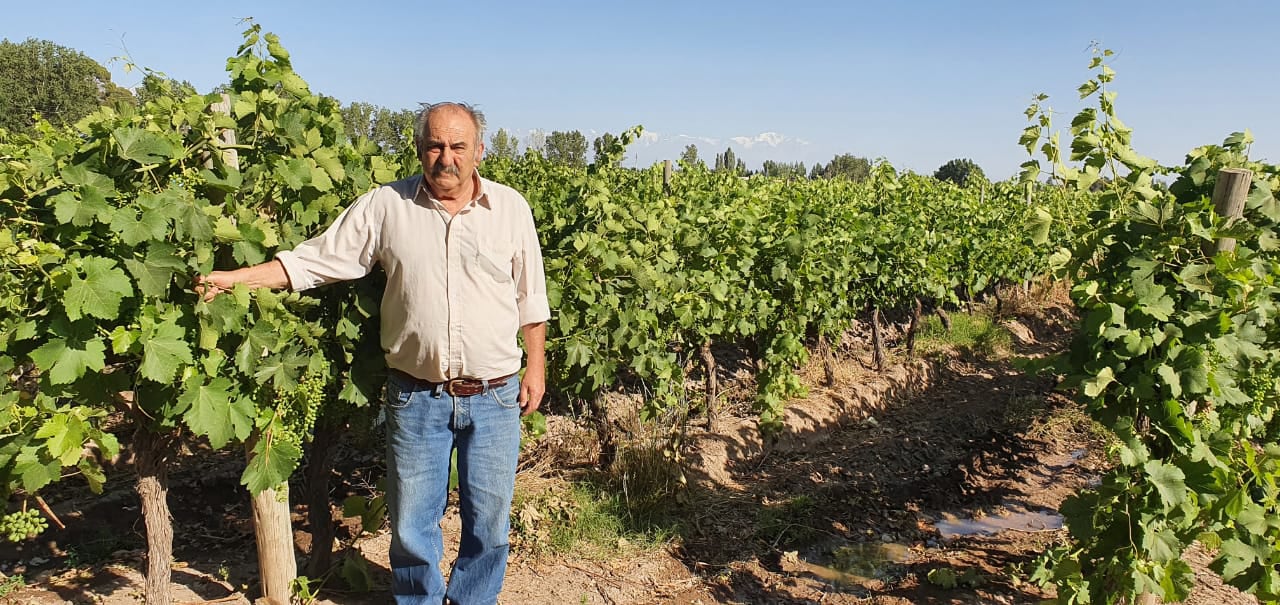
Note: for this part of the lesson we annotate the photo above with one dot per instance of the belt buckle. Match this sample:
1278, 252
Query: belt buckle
452, 385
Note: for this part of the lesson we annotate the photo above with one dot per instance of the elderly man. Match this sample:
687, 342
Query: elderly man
464, 275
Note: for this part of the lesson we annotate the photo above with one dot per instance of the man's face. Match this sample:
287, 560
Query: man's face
450, 152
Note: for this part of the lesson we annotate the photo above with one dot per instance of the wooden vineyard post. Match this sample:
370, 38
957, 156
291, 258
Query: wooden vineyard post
272, 527
666, 177
1228, 200
228, 137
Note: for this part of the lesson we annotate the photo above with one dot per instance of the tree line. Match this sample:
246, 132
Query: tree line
64, 85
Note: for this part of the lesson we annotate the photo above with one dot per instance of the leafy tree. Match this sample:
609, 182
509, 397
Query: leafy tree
729, 162
156, 85
602, 145
390, 130
959, 171
784, 169
568, 148
844, 166
690, 155
502, 145
536, 142
59, 83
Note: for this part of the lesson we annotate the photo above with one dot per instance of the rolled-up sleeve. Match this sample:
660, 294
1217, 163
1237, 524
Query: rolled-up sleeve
346, 250
531, 280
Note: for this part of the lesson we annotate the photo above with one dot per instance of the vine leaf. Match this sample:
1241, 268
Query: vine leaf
164, 350
1039, 226
1169, 480
154, 275
34, 470
99, 292
211, 412
142, 146
134, 230
65, 363
65, 436
272, 463
1094, 386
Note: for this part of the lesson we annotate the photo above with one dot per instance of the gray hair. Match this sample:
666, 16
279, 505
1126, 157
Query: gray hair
420, 130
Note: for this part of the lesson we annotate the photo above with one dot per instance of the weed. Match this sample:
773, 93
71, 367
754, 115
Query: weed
786, 521
648, 478
1069, 419
302, 592
10, 584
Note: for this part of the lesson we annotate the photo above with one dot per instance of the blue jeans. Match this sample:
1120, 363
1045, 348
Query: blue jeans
423, 427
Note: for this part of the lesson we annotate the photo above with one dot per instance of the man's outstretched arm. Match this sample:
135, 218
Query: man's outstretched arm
270, 274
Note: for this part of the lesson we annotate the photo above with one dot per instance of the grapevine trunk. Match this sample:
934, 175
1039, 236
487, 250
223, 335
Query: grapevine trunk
153, 491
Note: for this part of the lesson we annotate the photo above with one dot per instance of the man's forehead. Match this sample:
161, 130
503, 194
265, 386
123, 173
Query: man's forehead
444, 135
450, 117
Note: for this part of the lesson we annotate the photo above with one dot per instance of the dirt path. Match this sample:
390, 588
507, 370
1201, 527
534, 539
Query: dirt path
948, 469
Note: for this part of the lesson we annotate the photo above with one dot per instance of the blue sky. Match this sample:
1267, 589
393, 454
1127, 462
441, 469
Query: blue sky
918, 83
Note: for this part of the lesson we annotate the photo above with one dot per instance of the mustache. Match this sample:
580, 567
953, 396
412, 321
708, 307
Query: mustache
450, 170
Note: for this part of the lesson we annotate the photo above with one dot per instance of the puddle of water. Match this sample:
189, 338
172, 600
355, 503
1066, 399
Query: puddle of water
853, 564
1009, 518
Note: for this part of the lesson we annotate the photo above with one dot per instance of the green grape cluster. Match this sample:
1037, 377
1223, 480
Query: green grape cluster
1260, 385
21, 525
301, 408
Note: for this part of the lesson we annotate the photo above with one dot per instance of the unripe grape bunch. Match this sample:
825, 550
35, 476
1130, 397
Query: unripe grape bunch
21, 525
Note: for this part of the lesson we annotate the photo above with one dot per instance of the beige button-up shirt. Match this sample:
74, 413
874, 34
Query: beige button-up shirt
458, 288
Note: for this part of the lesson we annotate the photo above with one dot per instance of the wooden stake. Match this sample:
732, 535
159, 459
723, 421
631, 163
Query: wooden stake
1228, 200
272, 525
877, 344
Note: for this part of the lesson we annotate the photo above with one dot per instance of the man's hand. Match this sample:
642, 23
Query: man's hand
213, 284
532, 386
534, 383
270, 274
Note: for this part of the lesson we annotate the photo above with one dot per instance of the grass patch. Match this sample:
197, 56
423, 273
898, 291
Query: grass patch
975, 334
786, 521
582, 519
626, 509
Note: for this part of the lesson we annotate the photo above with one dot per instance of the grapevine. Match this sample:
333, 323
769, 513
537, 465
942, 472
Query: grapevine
1174, 355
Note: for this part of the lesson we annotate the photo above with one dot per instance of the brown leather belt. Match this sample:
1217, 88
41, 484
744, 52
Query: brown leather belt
457, 387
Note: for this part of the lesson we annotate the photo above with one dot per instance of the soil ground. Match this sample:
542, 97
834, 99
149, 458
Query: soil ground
951, 463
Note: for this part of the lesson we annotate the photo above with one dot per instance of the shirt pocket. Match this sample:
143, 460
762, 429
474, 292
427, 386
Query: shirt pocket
496, 263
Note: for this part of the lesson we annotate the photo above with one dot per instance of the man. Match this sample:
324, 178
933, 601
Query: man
464, 275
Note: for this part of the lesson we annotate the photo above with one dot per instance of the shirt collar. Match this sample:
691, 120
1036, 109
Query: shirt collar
482, 191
